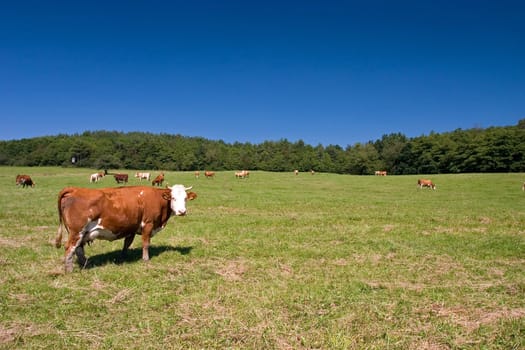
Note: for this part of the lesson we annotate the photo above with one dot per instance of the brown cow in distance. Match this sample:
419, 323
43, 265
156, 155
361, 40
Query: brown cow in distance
25, 181
121, 178
87, 214
209, 174
426, 183
158, 180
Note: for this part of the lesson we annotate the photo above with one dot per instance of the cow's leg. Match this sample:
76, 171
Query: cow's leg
74, 241
81, 257
146, 238
68, 258
127, 243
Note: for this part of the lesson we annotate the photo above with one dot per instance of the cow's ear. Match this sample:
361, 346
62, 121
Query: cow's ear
192, 195
166, 195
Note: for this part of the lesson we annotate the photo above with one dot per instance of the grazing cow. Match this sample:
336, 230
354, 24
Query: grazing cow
312, 172
209, 174
242, 174
121, 178
158, 180
197, 174
191, 196
426, 183
25, 181
141, 176
523, 187
296, 172
115, 213
96, 177
380, 172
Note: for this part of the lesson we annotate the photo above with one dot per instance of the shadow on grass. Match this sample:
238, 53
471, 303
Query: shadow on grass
133, 255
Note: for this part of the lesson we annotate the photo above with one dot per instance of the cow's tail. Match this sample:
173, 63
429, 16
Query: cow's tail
61, 226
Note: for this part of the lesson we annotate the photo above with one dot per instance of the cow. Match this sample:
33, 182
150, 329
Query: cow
141, 176
25, 181
197, 174
121, 178
426, 183
296, 172
87, 214
158, 180
242, 174
380, 173
523, 187
312, 171
209, 174
95, 177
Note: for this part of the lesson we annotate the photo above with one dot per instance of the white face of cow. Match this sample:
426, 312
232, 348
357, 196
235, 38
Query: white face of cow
178, 199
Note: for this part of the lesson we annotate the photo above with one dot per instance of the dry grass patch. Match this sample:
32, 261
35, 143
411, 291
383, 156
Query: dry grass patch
11, 242
471, 319
427, 344
12, 332
232, 270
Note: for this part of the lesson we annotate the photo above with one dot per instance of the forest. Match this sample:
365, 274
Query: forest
480, 150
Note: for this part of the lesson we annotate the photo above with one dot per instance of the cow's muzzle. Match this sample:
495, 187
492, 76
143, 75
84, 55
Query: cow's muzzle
180, 212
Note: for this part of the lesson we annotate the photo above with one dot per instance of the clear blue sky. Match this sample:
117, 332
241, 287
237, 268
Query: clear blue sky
325, 72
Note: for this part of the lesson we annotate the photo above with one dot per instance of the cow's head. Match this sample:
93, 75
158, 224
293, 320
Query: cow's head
178, 198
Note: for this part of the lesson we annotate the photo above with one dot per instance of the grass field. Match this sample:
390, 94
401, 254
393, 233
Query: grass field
276, 261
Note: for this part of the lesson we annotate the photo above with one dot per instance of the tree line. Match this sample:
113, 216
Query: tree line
493, 149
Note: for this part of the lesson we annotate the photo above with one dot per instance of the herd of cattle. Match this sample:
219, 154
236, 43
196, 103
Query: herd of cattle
121, 178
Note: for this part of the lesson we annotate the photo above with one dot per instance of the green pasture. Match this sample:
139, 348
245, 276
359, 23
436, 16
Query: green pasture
275, 261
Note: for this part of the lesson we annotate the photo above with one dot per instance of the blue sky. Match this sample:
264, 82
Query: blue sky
325, 72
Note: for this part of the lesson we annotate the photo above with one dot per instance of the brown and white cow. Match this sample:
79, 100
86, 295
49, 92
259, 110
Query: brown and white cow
121, 178
426, 183
95, 177
197, 174
115, 213
141, 176
209, 174
296, 172
25, 181
380, 173
242, 174
158, 180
